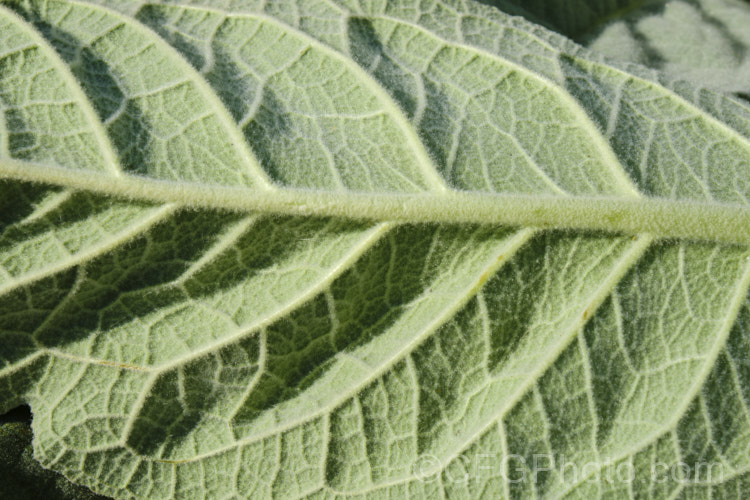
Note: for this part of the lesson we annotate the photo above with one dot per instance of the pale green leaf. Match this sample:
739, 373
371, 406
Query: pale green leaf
379, 249
707, 41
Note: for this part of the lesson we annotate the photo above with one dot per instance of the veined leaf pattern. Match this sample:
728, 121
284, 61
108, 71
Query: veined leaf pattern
457, 242
705, 41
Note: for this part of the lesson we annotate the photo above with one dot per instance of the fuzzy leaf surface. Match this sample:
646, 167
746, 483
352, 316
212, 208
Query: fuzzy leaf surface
327, 249
705, 41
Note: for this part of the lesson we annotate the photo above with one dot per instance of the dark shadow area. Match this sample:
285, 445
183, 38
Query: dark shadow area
738, 48
649, 53
30, 139
23, 310
229, 82
620, 341
93, 73
368, 50
271, 135
184, 398
574, 18
20, 414
128, 129
73, 304
18, 200
270, 129
133, 282
365, 302
79, 207
599, 95
21, 476
124, 284
15, 347
154, 16
300, 348
512, 313
584, 21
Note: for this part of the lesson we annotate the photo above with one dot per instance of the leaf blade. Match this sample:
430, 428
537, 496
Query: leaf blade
193, 347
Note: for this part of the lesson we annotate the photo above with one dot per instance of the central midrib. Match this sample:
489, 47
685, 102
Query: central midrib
662, 218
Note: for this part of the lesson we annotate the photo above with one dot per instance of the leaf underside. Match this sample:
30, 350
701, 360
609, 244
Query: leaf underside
170, 348
705, 41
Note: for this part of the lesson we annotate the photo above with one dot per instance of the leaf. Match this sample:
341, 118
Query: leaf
704, 41
385, 249
22, 475
575, 18
701, 40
